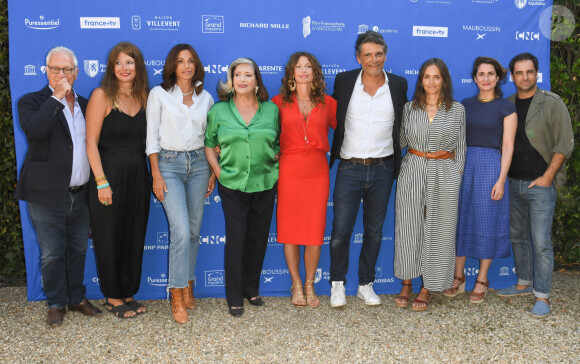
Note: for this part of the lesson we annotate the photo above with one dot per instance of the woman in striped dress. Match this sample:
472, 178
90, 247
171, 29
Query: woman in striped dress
433, 130
483, 230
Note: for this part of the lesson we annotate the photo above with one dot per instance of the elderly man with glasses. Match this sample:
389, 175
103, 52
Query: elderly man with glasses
54, 180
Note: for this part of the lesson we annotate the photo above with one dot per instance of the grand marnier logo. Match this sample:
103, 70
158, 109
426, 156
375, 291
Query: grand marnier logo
42, 23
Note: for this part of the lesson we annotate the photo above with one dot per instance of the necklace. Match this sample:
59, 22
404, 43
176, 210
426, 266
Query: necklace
305, 126
125, 91
187, 93
432, 107
486, 100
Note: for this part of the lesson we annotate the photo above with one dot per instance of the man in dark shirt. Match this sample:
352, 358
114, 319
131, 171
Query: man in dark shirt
544, 139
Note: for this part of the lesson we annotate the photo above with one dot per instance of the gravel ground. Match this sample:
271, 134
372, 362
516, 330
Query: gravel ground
451, 330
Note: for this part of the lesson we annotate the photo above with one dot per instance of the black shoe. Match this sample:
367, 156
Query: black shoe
256, 301
236, 312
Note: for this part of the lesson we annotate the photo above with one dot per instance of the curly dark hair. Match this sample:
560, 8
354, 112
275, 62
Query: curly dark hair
499, 71
317, 94
110, 84
446, 97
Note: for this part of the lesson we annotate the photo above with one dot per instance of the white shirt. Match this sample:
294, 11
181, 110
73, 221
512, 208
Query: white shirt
171, 125
368, 126
81, 168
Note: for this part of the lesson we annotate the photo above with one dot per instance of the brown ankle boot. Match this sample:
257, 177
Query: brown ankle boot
188, 295
177, 306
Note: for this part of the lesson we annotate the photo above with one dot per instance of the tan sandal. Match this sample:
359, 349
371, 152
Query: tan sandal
405, 302
454, 291
297, 294
311, 299
478, 297
424, 303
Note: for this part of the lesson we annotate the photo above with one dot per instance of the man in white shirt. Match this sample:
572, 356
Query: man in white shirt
366, 140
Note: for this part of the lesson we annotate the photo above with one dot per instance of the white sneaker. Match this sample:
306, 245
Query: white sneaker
367, 294
337, 298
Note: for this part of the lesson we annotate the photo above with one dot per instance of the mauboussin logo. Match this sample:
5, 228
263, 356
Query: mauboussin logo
215, 278
212, 24
42, 23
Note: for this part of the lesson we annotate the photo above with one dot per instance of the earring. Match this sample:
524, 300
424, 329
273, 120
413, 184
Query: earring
256, 91
292, 85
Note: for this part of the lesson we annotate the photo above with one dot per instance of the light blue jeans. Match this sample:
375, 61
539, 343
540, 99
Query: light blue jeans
186, 176
531, 216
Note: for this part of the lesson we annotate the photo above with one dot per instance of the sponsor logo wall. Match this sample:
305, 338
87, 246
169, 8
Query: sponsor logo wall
415, 30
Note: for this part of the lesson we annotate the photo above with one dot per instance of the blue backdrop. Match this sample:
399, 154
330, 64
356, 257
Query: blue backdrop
268, 31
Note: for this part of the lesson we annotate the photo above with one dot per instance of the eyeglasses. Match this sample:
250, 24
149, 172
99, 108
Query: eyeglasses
56, 70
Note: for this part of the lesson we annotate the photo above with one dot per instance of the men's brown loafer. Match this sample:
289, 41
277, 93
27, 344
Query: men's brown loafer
86, 308
55, 316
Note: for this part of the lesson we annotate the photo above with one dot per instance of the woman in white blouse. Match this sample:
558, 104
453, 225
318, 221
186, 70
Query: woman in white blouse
176, 121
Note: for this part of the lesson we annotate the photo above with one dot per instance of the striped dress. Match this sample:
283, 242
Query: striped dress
427, 196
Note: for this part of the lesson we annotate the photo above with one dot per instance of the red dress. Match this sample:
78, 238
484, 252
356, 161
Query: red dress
303, 181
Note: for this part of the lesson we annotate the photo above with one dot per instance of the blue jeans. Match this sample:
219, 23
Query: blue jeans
186, 176
373, 184
63, 233
531, 216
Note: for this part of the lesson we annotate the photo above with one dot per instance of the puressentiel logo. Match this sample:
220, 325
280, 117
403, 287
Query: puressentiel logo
425, 31
94, 22
42, 23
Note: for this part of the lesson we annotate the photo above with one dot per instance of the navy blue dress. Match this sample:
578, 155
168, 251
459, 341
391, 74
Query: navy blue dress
483, 224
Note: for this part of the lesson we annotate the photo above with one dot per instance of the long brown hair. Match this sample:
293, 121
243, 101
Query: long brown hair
110, 84
446, 97
318, 84
170, 66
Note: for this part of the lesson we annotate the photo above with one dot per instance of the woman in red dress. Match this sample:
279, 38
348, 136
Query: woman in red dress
306, 113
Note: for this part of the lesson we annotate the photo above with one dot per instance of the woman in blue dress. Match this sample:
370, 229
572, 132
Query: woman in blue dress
483, 224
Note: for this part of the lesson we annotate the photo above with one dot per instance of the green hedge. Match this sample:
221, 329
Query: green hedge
565, 70
11, 250
565, 74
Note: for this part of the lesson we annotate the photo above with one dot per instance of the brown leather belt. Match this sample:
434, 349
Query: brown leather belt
440, 154
369, 161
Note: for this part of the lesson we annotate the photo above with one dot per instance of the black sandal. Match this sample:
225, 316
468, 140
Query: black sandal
120, 310
135, 306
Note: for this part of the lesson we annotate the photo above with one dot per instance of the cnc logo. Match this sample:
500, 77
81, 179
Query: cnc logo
100, 22
527, 35
212, 24
216, 68
91, 67
42, 23
215, 278
213, 239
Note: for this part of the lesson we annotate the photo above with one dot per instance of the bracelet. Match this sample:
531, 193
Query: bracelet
100, 187
102, 178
